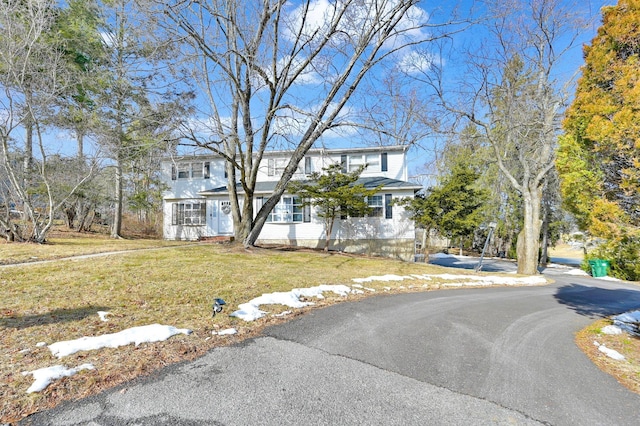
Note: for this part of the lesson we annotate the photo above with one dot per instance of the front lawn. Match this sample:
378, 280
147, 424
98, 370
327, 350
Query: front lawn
49, 302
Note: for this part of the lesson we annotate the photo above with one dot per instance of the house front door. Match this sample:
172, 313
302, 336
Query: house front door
225, 218
220, 219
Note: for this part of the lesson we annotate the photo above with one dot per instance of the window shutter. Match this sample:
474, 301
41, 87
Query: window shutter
271, 168
306, 212
343, 162
343, 213
174, 172
383, 162
307, 165
174, 213
388, 206
207, 170
203, 213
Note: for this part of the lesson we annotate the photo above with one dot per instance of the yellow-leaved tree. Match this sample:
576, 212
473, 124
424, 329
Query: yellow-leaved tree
599, 156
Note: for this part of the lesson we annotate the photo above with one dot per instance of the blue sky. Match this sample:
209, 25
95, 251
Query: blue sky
569, 69
438, 11
447, 52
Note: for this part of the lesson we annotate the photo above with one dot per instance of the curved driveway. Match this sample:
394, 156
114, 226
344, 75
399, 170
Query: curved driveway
458, 357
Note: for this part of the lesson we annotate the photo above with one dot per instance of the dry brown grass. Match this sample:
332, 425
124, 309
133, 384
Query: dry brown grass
627, 371
49, 302
566, 251
61, 244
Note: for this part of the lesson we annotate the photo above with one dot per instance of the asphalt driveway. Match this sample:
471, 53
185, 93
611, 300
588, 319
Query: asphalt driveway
457, 357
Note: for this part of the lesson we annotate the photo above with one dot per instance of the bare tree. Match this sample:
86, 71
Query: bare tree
394, 111
34, 73
279, 75
514, 92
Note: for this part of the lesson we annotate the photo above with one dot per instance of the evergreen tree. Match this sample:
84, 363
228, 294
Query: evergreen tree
336, 194
454, 207
503, 203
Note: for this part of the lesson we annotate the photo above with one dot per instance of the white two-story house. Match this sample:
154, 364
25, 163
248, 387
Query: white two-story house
197, 203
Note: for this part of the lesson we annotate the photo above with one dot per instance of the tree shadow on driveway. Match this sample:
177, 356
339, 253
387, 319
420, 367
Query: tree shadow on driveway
53, 317
596, 302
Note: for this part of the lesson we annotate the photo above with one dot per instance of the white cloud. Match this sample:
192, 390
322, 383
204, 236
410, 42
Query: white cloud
414, 62
307, 75
313, 24
315, 19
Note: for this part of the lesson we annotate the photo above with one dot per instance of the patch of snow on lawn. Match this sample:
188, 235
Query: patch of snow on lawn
44, 376
389, 277
555, 266
463, 279
576, 271
611, 329
137, 335
607, 278
609, 352
226, 332
251, 311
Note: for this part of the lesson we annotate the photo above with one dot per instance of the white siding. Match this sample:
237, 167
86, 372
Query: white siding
361, 235
189, 187
272, 164
179, 232
399, 226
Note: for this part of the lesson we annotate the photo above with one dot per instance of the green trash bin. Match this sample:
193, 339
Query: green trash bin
599, 267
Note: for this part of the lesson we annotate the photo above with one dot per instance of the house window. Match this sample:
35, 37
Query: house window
385, 162
197, 170
381, 206
376, 205
184, 170
276, 166
373, 162
288, 210
189, 213
355, 161
351, 163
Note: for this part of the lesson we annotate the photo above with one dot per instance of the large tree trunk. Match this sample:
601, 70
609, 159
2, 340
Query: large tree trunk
529, 237
261, 218
544, 254
28, 143
116, 229
328, 231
